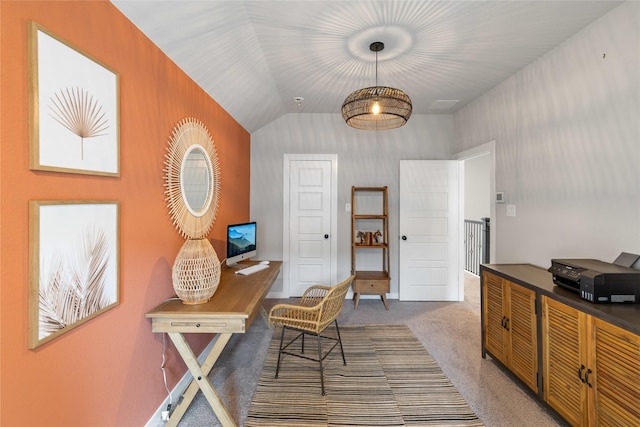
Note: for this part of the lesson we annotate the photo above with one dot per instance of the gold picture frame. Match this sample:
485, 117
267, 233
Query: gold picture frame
74, 267
74, 124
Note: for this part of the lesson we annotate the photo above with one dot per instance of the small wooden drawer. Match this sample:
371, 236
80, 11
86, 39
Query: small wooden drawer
371, 286
199, 325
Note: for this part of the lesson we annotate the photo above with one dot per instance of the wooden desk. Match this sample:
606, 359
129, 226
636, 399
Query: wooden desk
230, 311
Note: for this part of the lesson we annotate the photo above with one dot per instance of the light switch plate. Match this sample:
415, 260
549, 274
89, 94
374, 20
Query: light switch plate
511, 210
347, 207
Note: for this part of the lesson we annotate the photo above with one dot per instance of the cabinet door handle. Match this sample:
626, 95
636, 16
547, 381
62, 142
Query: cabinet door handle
586, 377
506, 324
582, 367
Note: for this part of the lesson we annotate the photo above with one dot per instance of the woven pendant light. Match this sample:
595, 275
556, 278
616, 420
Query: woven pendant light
377, 107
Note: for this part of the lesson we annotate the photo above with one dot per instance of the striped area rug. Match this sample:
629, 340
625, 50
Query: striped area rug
389, 380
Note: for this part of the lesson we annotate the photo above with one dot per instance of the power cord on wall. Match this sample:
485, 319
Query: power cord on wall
167, 412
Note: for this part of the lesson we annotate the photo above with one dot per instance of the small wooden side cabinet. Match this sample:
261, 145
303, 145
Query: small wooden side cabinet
370, 242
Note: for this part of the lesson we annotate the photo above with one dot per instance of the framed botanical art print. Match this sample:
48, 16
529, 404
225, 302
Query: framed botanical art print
73, 265
73, 108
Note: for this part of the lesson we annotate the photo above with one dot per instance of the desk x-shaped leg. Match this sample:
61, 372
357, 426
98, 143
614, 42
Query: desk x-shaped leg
200, 379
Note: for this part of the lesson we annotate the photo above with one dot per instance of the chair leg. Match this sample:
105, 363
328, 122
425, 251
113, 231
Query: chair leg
319, 337
344, 361
280, 351
320, 361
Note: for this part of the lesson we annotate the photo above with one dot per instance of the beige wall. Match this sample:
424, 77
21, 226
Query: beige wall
567, 136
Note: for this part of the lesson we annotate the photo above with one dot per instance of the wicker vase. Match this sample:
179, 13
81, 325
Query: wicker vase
196, 272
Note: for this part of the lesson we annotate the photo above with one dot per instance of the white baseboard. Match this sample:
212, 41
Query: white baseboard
178, 390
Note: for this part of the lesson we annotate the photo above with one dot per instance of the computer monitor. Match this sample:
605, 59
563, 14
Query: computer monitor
241, 242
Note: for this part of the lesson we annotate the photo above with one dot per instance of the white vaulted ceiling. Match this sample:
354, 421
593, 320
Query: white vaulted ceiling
254, 57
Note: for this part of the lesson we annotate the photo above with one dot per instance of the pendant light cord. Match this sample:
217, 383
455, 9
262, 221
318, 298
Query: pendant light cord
376, 68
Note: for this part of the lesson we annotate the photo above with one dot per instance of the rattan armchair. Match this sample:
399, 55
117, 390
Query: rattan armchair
318, 308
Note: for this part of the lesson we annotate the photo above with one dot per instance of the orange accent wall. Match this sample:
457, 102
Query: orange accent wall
106, 371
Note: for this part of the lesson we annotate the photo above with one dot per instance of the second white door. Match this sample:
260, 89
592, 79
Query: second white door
430, 230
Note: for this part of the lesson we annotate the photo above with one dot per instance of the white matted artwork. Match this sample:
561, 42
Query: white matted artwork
73, 109
73, 265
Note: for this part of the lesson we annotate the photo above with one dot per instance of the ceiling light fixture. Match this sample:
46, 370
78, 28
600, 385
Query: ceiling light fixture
378, 107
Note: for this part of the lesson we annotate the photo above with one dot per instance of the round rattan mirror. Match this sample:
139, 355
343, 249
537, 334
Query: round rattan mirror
192, 176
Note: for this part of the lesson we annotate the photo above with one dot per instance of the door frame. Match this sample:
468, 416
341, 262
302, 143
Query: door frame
286, 266
481, 150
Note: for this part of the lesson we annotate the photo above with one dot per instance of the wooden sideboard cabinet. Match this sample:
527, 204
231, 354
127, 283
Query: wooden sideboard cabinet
586, 356
510, 327
591, 367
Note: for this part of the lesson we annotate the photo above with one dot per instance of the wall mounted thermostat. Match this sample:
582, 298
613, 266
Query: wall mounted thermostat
500, 197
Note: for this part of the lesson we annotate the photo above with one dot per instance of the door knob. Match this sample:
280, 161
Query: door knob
404, 237
326, 236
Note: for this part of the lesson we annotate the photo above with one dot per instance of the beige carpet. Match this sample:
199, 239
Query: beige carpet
389, 380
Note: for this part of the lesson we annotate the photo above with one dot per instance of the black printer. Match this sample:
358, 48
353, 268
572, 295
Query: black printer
597, 281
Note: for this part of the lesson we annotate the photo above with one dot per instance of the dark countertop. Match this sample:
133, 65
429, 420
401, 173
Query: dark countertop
626, 316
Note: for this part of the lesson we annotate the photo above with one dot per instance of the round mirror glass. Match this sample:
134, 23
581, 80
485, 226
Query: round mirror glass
196, 176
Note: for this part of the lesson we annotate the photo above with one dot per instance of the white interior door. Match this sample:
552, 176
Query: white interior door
430, 230
310, 224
